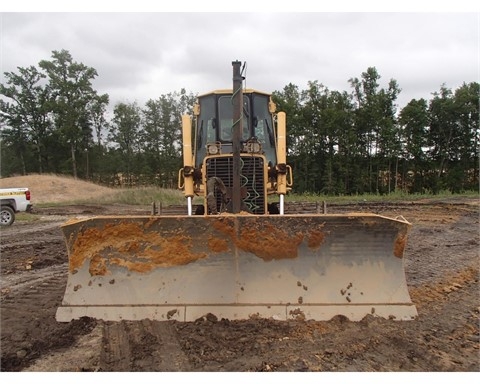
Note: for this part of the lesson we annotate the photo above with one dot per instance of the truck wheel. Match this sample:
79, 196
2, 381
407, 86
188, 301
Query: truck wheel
7, 215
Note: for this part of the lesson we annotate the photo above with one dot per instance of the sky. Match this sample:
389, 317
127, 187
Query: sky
141, 53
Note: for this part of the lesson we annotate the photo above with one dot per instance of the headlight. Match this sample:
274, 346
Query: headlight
213, 149
253, 147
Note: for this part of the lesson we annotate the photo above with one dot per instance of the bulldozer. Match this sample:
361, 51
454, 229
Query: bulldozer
237, 255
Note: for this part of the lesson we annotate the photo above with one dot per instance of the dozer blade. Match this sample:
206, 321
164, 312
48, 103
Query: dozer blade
236, 267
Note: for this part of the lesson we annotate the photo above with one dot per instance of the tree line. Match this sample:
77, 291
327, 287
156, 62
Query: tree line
357, 142
54, 121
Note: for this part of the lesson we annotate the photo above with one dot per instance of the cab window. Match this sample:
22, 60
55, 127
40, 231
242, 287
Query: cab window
225, 116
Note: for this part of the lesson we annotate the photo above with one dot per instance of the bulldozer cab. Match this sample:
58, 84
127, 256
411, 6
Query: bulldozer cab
214, 124
213, 154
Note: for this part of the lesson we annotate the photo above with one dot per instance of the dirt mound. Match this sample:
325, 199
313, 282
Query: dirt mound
55, 189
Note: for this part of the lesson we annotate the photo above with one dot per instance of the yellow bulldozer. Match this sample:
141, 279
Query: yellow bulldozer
237, 255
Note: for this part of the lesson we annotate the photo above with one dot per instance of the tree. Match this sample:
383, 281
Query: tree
341, 143
13, 142
313, 140
467, 103
29, 111
375, 124
98, 111
124, 132
441, 134
413, 120
289, 100
365, 120
161, 136
70, 84
389, 141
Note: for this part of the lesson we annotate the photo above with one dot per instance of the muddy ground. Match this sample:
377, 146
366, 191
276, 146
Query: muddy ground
442, 269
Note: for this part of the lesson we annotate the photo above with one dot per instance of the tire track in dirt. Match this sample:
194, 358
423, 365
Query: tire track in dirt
33, 305
56, 274
135, 346
33, 279
115, 348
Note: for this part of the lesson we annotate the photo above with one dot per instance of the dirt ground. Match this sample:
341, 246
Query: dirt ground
442, 269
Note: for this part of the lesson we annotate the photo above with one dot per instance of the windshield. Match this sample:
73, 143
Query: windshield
225, 114
215, 123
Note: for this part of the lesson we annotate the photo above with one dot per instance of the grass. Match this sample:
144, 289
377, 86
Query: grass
26, 217
143, 196
376, 198
131, 196
148, 195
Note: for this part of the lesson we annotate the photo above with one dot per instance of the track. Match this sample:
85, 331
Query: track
142, 346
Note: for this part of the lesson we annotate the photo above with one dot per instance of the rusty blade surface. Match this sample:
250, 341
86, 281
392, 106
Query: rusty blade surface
236, 267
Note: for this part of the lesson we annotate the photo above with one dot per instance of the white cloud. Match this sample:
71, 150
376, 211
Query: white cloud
140, 56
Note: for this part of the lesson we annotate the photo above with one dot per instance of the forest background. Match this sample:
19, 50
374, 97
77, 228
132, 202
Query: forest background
339, 143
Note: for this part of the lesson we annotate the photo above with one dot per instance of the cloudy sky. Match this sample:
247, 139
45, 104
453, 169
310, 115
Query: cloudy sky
142, 55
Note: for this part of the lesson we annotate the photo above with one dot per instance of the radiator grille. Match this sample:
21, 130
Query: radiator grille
252, 179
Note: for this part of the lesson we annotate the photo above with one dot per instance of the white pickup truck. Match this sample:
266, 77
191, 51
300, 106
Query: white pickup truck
13, 200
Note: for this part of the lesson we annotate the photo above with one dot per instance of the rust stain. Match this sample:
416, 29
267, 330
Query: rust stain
315, 239
262, 239
129, 245
399, 245
150, 222
269, 242
216, 244
225, 225
97, 266
141, 246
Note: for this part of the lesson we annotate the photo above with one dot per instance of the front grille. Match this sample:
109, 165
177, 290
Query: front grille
252, 179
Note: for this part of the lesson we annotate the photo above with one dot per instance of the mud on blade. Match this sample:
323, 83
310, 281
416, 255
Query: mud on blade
236, 267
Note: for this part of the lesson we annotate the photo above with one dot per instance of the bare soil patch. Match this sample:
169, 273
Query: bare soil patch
442, 270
